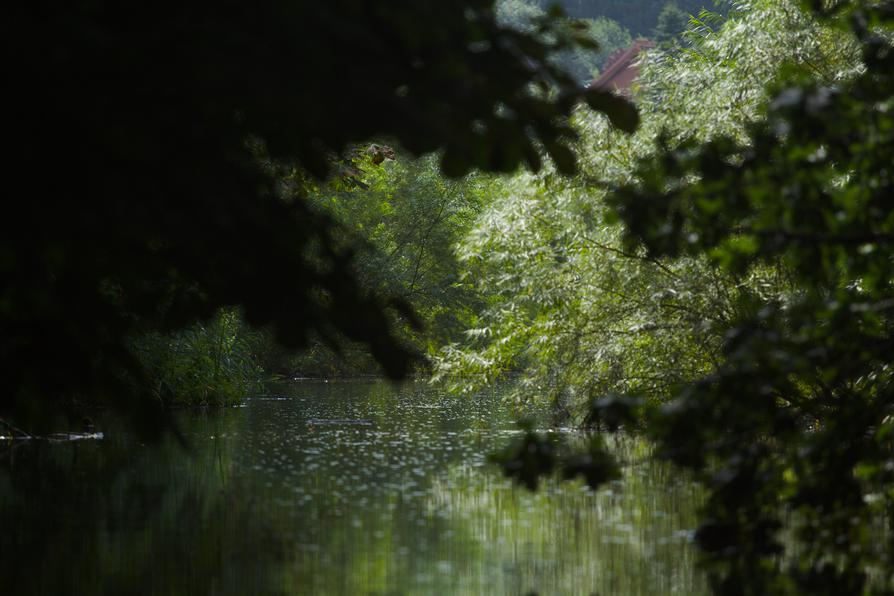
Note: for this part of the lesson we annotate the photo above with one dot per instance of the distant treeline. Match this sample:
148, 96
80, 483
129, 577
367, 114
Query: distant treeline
638, 16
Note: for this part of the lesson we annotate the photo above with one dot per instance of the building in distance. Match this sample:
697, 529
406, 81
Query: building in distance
622, 69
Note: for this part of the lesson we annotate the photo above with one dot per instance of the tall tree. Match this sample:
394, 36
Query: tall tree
671, 23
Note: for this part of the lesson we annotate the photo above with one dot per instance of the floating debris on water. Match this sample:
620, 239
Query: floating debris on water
55, 437
74, 437
340, 422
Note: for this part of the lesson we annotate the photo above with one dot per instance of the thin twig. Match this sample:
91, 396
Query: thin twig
14, 429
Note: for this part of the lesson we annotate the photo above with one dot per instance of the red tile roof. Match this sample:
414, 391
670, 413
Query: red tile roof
620, 70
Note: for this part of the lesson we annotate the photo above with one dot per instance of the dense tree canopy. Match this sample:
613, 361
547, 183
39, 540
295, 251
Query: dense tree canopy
755, 219
145, 208
572, 307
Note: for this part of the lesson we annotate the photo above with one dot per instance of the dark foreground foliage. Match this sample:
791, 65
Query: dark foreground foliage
796, 426
794, 433
140, 206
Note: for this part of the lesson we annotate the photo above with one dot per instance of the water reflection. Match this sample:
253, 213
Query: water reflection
391, 495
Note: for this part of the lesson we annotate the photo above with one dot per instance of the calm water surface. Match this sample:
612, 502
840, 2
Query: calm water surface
266, 499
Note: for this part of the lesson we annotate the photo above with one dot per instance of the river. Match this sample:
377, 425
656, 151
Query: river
336, 488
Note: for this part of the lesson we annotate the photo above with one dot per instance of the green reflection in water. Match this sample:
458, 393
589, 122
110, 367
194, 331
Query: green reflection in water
265, 502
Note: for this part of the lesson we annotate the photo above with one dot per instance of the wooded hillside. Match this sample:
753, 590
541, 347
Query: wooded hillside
639, 16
